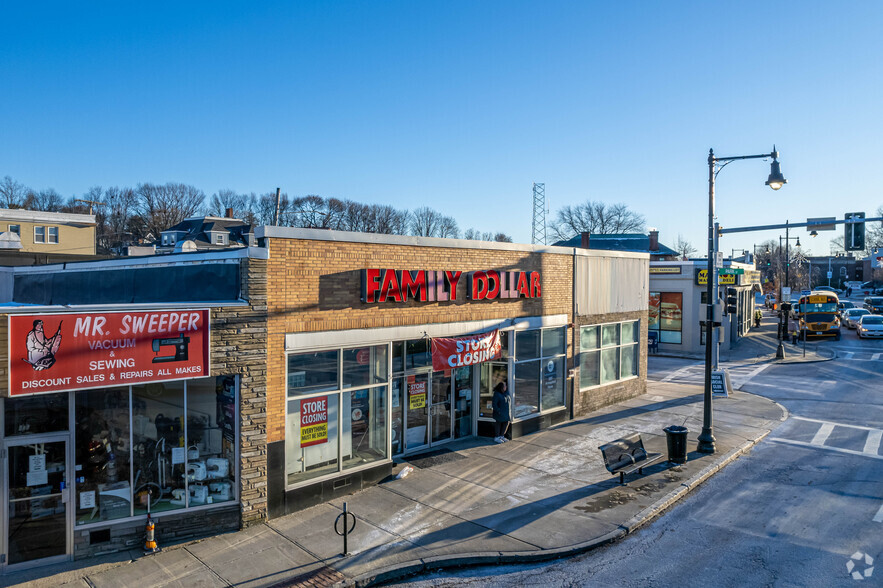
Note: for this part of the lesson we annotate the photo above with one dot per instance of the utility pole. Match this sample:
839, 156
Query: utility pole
91, 203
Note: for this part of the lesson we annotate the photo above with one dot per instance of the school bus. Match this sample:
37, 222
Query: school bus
817, 315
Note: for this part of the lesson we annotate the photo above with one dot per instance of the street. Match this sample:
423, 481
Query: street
793, 512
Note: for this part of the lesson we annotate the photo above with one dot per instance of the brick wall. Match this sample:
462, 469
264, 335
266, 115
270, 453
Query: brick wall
239, 346
315, 286
585, 402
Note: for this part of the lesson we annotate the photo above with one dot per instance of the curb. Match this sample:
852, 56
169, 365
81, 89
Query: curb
413, 567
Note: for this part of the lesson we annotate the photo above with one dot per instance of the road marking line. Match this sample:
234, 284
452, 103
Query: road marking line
878, 518
825, 447
678, 373
822, 435
876, 356
750, 376
872, 443
847, 355
800, 418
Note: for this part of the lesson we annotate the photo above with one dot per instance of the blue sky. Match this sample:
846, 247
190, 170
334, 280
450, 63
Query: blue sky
456, 105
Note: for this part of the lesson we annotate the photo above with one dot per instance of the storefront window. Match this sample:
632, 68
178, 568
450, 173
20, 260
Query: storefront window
613, 358
462, 402
418, 354
666, 312
364, 427
554, 341
365, 366
44, 413
211, 440
527, 389
102, 443
539, 370
527, 345
397, 423
159, 450
309, 373
311, 437
553, 383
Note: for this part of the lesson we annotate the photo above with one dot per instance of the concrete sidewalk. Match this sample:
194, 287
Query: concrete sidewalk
539, 497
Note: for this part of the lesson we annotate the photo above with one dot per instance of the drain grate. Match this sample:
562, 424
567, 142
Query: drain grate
319, 578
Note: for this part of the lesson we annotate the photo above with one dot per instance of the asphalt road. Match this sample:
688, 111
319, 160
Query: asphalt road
791, 513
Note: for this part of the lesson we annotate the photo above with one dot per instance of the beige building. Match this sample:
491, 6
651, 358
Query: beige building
33, 231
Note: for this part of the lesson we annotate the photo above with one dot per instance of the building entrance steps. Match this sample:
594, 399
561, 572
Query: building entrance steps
537, 497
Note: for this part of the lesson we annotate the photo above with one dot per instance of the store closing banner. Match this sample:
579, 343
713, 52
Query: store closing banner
455, 352
61, 352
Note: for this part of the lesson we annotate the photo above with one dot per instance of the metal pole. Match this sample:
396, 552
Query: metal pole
803, 310
716, 333
276, 214
706, 437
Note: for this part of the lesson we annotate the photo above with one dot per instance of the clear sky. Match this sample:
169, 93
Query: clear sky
458, 105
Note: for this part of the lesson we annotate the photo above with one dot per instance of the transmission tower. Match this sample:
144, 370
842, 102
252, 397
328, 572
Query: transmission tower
538, 236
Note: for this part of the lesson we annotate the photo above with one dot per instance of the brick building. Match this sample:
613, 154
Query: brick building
306, 367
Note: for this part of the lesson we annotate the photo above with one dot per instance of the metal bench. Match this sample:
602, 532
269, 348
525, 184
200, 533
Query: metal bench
624, 456
653, 342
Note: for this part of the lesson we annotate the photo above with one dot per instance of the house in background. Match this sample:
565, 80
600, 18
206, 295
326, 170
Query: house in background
632, 242
34, 231
206, 233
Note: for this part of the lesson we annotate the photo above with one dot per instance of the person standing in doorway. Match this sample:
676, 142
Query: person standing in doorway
502, 405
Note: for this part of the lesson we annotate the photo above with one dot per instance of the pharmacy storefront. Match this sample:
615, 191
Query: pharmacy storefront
109, 416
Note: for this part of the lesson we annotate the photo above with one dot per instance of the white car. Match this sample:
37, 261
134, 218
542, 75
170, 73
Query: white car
851, 316
870, 325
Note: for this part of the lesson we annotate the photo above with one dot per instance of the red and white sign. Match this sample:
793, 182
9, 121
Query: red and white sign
462, 351
313, 421
386, 285
61, 352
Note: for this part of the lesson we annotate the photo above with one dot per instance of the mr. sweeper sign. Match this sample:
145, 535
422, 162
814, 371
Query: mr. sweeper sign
61, 352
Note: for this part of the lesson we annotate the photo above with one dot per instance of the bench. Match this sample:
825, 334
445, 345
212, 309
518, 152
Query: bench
624, 456
653, 342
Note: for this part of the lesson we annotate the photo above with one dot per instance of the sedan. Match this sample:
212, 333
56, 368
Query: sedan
851, 316
870, 325
874, 304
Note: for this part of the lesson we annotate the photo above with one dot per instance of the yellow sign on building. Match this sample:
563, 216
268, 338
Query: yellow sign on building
726, 280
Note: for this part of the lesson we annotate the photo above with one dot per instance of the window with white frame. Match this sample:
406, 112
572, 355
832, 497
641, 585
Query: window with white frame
15, 229
336, 411
39, 234
539, 370
52, 234
608, 353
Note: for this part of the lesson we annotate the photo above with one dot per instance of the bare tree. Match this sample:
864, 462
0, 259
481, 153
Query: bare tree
425, 222
46, 200
448, 228
243, 205
595, 217
389, 221
502, 238
12, 193
684, 248
166, 205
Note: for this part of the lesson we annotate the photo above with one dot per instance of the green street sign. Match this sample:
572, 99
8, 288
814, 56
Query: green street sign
730, 271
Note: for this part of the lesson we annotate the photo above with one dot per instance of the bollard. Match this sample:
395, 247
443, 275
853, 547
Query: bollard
346, 531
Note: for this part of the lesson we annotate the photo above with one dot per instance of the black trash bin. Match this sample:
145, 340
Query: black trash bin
676, 437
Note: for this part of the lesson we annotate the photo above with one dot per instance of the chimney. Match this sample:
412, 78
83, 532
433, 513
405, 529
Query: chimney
654, 240
584, 240
229, 213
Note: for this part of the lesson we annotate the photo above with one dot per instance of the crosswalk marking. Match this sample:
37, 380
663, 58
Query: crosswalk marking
872, 444
821, 422
851, 356
826, 447
848, 354
878, 518
876, 356
822, 434
679, 373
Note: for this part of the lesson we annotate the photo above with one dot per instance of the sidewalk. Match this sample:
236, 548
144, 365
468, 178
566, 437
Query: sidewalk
538, 497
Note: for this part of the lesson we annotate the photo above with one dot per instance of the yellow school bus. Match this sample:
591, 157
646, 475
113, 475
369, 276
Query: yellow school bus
817, 315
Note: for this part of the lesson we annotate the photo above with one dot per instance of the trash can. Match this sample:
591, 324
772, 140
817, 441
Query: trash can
676, 438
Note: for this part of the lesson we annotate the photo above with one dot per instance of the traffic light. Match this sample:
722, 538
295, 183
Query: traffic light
854, 233
732, 300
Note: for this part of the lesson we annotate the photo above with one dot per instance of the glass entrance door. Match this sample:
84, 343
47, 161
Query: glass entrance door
417, 404
441, 407
37, 494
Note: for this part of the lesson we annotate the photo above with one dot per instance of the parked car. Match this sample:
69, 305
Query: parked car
874, 304
870, 325
843, 306
828, 289
851, 316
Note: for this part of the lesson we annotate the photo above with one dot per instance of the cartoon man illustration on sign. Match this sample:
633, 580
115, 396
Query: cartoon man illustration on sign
41, 350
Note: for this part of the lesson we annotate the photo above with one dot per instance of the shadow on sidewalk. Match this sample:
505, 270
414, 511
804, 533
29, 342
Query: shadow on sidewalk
631, 412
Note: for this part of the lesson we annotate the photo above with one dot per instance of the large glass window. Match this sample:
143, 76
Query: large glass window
160, 452
28, 415
666, 313
539, 370
344, 426
608, 353
102, 443
211, 440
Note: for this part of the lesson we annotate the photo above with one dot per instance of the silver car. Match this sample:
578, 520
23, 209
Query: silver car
851, 316
870, 325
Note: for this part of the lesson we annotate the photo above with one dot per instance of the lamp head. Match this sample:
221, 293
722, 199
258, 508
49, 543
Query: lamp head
776, 179
814, 234
798, 241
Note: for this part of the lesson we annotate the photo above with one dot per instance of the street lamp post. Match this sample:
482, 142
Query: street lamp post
775, 181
